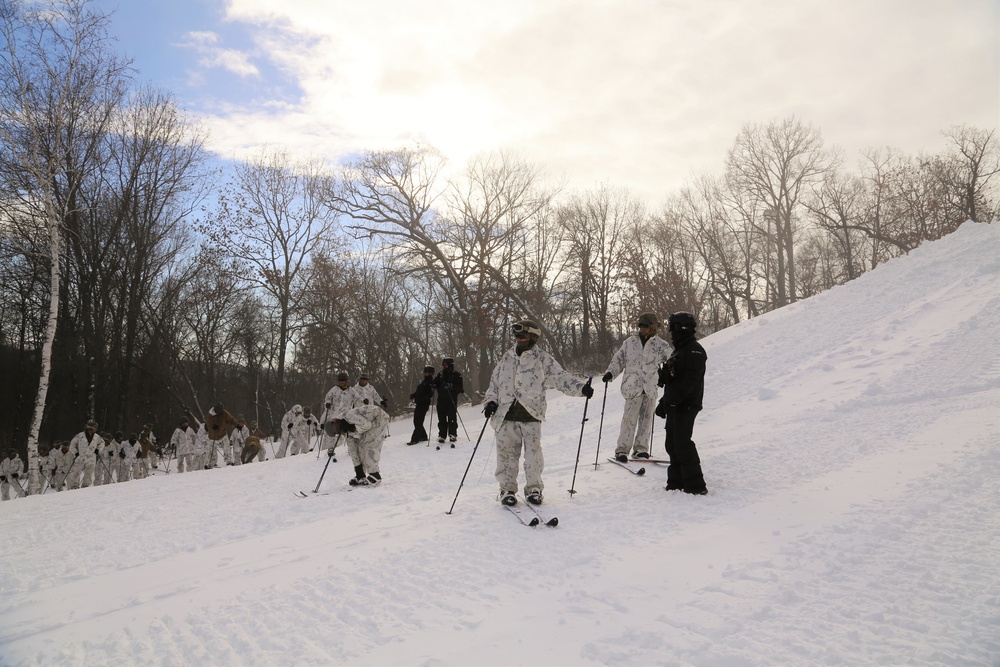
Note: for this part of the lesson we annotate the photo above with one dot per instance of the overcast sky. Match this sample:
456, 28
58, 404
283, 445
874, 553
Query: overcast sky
636, 93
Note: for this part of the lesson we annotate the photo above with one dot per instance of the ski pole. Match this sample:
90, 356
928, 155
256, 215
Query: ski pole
319, 447
48, 482
107, 471
433, 410
572, 487
460, 484
460, 421
21, 491
600, 429
329, 457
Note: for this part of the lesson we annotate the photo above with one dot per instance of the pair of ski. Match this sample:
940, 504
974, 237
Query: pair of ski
529, 515
303, 494
635, 466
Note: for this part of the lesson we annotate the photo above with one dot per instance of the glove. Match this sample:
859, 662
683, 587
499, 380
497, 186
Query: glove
16, 476
3, 478
607, 377
121, 454
587, 390
290, 426
327, 406
329, 452
346, 426
384, 402
413, 397
662, 408
490, 409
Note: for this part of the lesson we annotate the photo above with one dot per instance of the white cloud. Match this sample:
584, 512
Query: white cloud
205, 43
637, 94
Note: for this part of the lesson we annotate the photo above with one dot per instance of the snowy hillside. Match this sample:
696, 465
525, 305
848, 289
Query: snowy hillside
851, 445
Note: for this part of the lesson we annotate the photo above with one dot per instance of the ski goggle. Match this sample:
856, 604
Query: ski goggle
524, 330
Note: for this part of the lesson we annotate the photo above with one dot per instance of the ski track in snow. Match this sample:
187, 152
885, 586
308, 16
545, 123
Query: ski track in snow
851, 443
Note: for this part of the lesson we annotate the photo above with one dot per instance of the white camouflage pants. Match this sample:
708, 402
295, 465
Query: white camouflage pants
185, 462
637, 424
511, 438
366, 451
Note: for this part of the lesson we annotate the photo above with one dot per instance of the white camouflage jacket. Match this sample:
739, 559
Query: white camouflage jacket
86, 448
10, 467
525, 378
339, 401
183, 441
361, 394
369, 420
640, 363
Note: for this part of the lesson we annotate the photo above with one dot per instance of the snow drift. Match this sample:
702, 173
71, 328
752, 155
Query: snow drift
851, 445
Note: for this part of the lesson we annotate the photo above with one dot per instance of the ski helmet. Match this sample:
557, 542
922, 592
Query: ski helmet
682, 321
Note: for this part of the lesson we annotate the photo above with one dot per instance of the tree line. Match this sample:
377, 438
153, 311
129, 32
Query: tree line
141, 282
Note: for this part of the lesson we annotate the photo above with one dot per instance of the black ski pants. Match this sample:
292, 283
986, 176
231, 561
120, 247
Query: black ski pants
684, 471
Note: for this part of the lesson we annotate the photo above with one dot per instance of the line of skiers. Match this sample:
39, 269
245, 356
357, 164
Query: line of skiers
91, 459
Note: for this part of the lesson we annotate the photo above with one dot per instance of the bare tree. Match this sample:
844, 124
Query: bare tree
272, 219
59, 87
598, 227
966, 173
776, 163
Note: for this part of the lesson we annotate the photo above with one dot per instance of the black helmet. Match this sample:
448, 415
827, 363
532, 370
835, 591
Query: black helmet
449, 362
429, 369
682, 321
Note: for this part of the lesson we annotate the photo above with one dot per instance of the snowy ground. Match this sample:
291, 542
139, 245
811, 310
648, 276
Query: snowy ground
851, 445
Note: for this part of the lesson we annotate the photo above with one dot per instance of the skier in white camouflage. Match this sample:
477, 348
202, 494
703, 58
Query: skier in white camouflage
102, 472
11, 472
297, 430
64, 459
363, 427
338, 401
85, 445
516, 402
47, 466
365, 394
638, 361
183, 443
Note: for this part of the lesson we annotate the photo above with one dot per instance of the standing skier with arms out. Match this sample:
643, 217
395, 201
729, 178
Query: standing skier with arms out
515, 400
638, 360
683, 377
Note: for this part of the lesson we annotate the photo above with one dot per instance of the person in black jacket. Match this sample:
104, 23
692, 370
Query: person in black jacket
421, 398
449, 387
683, 379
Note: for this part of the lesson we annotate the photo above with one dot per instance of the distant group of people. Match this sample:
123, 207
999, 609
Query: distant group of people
447, 385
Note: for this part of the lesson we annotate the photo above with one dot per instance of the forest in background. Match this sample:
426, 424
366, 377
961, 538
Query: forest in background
141, 281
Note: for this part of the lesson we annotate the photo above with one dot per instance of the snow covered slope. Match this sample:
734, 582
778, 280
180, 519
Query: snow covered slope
851, 444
